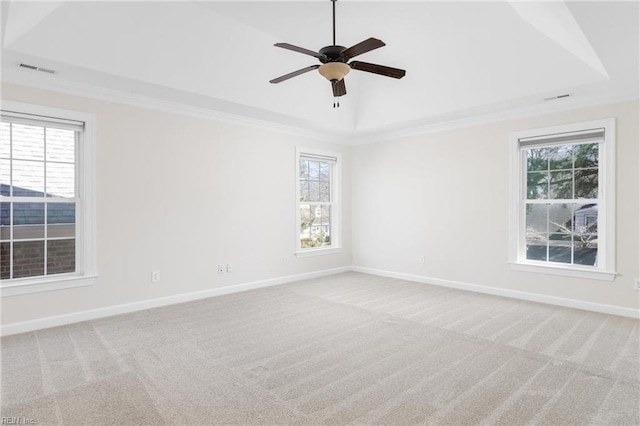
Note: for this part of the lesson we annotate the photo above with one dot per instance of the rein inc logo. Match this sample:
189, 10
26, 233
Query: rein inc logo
17, 421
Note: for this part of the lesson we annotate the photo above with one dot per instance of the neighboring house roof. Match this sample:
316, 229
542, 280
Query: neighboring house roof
33, 213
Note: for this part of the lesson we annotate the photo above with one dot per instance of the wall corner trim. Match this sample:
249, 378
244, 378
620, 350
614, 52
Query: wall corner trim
513, 294
65, 319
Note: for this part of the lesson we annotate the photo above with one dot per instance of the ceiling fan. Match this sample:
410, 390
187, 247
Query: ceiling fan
335, 62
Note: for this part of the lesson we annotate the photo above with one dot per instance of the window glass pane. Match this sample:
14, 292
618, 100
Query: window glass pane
561, 227
314, 191
587, 256
561, 185
561, 157
585, 239
304, 190
325, 193
325, 169
61, 219
28, 214
5, 221
561, 218
537, 185
537, 220
28, 142
5, 261
5, 177
314, 170
586, 155
537, 159
61, 256
304, 169
28, 259
325, 221
28, 178
305, 225
28, 221
559, 248
61, 213
5, 140
537, 248
61, 145
587, 183
60, 180
537, 231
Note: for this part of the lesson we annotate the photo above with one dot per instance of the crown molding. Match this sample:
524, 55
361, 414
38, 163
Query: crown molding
85, 90
441, 124
492, 117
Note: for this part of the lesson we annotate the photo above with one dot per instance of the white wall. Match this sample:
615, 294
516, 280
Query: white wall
445, 195
181, 194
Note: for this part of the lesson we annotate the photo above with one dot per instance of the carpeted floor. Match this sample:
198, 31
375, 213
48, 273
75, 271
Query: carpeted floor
349, 348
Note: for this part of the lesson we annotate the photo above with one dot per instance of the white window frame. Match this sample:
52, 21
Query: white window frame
605, 270
336, 202
86, 272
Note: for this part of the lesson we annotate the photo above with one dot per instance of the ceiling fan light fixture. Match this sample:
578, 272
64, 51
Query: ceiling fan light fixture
334, 71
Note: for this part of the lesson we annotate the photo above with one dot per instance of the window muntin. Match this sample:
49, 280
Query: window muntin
38, 196
317, 206
563, 201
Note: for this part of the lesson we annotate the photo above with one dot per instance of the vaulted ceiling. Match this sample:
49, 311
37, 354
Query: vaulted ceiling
463, 59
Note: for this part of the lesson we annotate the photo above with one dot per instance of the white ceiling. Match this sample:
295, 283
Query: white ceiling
463, 59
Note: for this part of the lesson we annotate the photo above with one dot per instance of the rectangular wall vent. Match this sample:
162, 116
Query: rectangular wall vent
31, 67
553, 98
35, 68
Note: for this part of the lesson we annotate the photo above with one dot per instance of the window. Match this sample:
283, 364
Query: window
46, 197
317, 195
562, 200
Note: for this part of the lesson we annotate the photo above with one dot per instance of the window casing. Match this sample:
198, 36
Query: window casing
46, 199
562, 200
317, 202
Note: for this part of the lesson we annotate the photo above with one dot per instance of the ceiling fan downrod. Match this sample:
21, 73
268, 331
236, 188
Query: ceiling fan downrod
333, 2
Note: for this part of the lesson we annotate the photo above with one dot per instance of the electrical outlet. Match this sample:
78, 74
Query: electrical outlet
229, 268
421, 259
285, 259
155, 276
221, 269
636, 284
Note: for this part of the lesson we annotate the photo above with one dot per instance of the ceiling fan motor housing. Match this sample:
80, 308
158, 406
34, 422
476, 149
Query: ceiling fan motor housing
333, 54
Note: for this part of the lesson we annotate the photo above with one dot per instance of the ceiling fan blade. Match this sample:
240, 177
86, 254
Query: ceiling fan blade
339, 88
378, 69
363, 47
300, 50
293, 74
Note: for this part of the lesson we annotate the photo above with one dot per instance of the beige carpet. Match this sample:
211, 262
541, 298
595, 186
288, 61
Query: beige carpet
349, 348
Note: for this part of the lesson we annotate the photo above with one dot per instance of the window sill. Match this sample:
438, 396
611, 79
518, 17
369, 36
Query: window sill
564, 271
30, 286
318, 252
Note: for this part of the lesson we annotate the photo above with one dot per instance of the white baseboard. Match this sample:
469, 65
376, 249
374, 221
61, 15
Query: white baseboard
514, 294
55, 321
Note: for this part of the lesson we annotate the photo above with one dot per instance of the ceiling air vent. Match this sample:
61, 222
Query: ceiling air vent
35, 68
553, 98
